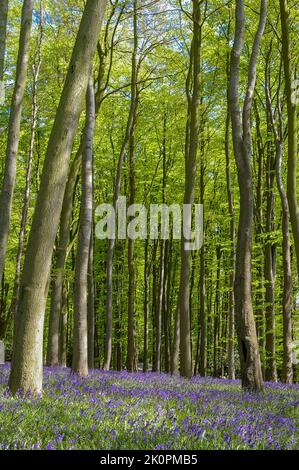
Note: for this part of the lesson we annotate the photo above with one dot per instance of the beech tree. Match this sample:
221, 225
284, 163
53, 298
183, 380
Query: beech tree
80, 337
3, 30
241, 130
9, 177
26, 372
191, 147
290, 91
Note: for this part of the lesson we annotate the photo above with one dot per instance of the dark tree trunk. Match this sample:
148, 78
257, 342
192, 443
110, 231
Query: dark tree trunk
190, 179
251, 373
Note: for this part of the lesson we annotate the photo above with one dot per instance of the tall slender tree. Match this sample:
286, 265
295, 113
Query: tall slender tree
231, 302
3, 32
26, 372
287, 304
9, 178
292, 123
241, 130
190, 178
36, 67
80, 336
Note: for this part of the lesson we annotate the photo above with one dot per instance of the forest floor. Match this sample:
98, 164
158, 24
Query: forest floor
118, 410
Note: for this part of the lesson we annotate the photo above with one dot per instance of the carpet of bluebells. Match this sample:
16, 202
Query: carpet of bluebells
118, 410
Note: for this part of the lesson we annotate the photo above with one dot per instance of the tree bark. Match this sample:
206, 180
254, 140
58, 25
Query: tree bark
26, 372
131, 352
146, 308
292, 125
259, 229
63, 329
35, 72
190, 178
231, 300
287, 304
251, 374
3, 32
9, 178
91, 300
269, 266
65, 225
80, 333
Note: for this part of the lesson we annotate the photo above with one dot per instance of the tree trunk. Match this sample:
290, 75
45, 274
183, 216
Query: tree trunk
132, 365
26, 372
292, 125
269, 265
259, 229
3, 31
190, 177
81, 331
63, 330
159, 312
174, 367
146, 308
166, 304
35, 72
91, 301
287, 304
14, 130
64, 231
248, 346
131, 352
231, 301
217, 316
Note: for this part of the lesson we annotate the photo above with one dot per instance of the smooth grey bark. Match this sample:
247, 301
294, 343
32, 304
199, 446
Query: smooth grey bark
231, 301
35, 75
259, 229
166, 303
190, 177
251, 373
80, 331
26, 372
291, 100
91, 303
287, 304
131, 351
145, 307
161, 287
202, 287
63, 329
14, 124
270, 250
67, 207
3, 32
132, 363
175, 352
